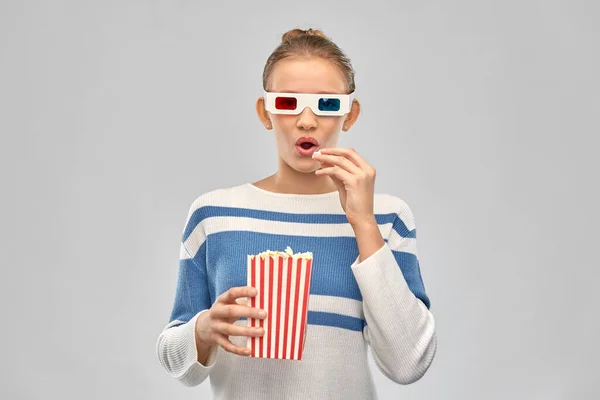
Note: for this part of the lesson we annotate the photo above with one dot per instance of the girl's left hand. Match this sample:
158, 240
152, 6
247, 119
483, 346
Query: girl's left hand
354, 179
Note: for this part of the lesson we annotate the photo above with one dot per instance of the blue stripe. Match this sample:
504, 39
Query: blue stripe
332, 257
400, 227
191, 294
215, 211
335, 320
226, 263
409, 265
323, 319
331, 319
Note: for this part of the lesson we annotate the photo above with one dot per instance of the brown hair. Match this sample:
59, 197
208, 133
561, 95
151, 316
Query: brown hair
310, 43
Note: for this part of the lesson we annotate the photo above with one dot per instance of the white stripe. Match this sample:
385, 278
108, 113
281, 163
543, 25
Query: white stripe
183, 255
300, 307
272, 312
290, 313
214, 225
282, 310
258, 296
266, 304
195, 240
243, 196
405, 244
249, 283
222, 224
329, 304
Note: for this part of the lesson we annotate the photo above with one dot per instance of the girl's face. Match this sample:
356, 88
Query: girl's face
313, 75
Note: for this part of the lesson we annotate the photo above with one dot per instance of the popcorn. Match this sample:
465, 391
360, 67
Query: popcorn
282, 280
287, 253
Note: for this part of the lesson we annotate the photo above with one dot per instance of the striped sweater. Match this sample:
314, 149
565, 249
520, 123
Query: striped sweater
379, 302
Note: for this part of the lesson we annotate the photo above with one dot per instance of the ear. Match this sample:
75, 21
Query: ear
263, 114
352, 116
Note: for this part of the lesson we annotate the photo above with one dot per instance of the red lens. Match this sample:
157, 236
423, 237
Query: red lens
285, 103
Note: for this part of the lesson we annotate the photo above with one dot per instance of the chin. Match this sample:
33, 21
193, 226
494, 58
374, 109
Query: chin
305, 169
306, 166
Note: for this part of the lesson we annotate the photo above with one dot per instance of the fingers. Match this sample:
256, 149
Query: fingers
235, 292
224, 330
237, 330
232, 348
350, 154
339, 173
341, 161
225, 311
232, 312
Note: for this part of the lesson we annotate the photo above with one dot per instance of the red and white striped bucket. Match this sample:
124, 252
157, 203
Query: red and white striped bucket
283, 285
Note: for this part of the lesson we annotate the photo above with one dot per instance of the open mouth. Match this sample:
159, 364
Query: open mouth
306, 145
306, 142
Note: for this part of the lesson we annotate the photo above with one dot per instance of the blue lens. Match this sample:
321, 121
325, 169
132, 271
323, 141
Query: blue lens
329, 104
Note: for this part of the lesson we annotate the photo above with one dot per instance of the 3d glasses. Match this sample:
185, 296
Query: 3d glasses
320, 104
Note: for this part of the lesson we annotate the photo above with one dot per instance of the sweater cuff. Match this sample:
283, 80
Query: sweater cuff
373, 260
182, 354
190, 335
381, 268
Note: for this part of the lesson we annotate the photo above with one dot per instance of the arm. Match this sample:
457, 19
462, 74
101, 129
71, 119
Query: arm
177, 347
400, 328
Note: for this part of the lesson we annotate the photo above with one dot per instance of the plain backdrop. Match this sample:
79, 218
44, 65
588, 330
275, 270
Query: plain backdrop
481, 115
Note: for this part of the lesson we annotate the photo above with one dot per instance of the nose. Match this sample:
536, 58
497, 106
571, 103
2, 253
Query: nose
307, 119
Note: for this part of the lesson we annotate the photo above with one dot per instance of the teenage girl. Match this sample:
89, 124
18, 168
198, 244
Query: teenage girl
366, 286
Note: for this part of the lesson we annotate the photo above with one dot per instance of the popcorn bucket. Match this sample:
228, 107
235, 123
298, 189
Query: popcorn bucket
282, 280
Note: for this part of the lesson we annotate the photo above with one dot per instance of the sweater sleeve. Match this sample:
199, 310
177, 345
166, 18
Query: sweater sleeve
176, 345
399, 326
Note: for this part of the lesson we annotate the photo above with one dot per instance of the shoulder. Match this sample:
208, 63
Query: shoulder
205, 204
215, 197
390, 204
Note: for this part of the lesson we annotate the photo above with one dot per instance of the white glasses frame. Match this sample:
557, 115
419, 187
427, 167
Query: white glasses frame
311, 100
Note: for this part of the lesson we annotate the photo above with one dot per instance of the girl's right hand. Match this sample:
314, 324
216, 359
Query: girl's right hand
217, 324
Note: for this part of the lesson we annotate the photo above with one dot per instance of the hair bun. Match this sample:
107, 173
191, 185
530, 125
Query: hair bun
295, 33
306, 44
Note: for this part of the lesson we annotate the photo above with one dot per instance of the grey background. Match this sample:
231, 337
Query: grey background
482, 115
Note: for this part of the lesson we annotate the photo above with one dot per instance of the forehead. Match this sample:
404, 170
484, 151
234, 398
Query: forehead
312, 75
